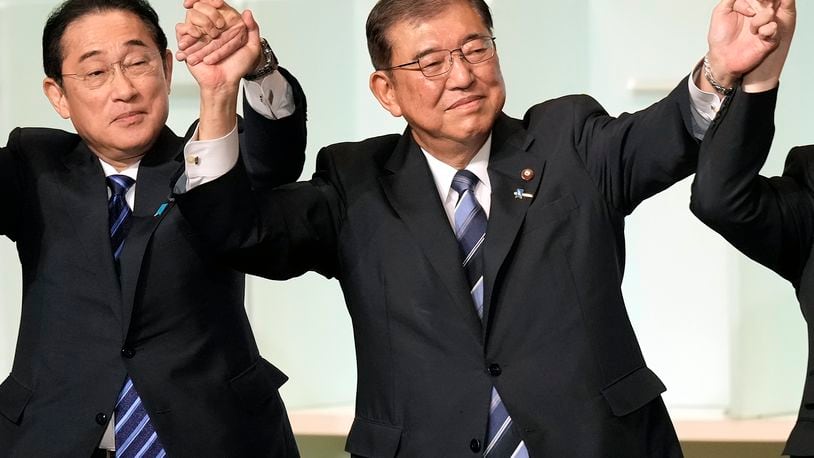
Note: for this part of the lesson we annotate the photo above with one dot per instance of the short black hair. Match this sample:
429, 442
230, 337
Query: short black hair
72, 10
387, 13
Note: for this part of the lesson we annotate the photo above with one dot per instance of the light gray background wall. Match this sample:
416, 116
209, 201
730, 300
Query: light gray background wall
724, 334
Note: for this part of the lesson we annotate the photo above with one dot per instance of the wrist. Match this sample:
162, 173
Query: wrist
223, 98
721, 82
218, 112
216, 123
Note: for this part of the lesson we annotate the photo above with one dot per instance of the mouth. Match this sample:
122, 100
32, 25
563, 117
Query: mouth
465, 102
129, 117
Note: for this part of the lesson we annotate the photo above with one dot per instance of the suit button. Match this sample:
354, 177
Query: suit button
101, 418
495, 370
128, 352
474, 445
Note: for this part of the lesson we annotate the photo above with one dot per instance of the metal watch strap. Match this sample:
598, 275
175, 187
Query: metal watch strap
269, 64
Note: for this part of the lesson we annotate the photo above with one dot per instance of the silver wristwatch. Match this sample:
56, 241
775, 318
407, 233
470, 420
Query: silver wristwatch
269, 62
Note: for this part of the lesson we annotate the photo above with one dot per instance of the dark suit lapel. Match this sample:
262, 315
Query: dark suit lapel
507, 161
152, 204
84, 194
411, 191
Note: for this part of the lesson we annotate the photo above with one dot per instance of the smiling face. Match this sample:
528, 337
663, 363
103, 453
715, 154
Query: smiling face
121, 119
451, 115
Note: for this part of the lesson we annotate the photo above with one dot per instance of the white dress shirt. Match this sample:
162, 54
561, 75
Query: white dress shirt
443, 173
132, 172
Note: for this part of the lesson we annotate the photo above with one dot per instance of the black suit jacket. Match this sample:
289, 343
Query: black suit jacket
771, 220
556, 340
174, 321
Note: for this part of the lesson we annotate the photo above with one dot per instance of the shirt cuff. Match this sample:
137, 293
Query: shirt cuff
271, 96
705, 106
207, 160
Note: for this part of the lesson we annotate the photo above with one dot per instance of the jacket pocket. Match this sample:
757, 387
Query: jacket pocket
633, 391
14, 398
257, 384
371, 439
543, 215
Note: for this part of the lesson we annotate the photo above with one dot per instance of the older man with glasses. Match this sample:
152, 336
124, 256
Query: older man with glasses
481, 257
134, 339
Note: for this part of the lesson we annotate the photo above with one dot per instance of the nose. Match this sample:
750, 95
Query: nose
460, 75
121, 85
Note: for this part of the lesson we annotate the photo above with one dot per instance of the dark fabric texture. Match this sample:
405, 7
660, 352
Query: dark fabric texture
555, 339
769, 219
175, 323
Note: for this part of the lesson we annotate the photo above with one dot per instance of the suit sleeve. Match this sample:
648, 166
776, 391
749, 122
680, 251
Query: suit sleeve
634, 156
275, 233
11, 195
771, 220
273, 151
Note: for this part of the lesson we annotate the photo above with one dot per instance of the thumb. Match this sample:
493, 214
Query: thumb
252, 26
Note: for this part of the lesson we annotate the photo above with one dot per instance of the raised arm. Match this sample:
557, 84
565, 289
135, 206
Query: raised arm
769, 219
215, 36
635, 156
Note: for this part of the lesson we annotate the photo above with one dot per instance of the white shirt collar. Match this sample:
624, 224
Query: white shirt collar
443, 173
131, 170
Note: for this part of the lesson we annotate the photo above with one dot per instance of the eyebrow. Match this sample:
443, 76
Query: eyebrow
471, 36
96, 52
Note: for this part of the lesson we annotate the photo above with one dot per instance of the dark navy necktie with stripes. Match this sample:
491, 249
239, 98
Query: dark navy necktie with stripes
135, 436
502, 437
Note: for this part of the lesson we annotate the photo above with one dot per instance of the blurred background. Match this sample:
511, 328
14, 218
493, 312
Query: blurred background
724, 334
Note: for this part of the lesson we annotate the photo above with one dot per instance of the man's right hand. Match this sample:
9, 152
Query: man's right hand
211, 32
219, 79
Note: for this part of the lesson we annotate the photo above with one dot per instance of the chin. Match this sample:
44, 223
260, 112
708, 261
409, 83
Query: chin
476, 131
135, 147
142, 139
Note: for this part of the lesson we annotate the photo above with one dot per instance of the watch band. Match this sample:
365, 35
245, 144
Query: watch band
269, 62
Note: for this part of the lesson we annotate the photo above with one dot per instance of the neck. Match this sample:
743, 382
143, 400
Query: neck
120, 162
453, 153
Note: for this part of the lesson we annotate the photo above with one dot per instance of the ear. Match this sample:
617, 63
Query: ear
56, 95
168, 68
384, 89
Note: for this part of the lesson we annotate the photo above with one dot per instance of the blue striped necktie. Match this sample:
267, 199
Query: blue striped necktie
135, 436
502, 437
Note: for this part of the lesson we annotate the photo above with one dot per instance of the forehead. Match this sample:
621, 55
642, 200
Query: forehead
445, 30
104, 34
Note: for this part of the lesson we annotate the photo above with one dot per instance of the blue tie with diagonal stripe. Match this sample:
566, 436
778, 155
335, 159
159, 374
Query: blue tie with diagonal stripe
135, 436
503, 440
118, 211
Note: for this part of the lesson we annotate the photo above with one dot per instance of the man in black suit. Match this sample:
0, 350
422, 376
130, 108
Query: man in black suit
771, 220
505, 336
116, 286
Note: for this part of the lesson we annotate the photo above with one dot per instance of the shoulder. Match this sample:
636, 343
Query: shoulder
800, 165
371, 151
35, 140
562, 109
